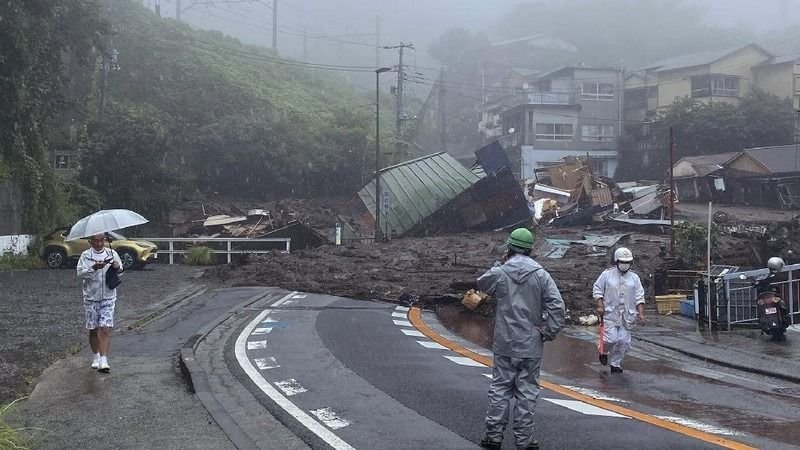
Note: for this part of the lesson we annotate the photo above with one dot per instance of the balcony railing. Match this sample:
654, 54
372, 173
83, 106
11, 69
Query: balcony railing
550, 98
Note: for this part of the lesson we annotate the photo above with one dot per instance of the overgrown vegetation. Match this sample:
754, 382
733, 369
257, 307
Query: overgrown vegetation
761, 119
35, 37
159, 113
200, 256
691, 243
9, 261
10, 438
194, 113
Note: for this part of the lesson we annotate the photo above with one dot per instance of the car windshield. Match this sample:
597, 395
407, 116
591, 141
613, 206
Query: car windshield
116, 236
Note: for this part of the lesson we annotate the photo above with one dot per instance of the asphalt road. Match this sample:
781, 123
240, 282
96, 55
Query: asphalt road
353, 375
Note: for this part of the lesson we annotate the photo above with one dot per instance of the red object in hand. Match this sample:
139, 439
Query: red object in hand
603, 357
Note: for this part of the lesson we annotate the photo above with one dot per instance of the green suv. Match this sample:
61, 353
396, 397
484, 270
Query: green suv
57, 252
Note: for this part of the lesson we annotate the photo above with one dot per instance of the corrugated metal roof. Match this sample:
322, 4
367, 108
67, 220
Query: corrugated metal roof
778, 159
703, 165
697, 59
416, 189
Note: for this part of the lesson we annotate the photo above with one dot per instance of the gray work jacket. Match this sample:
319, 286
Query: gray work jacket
529, 306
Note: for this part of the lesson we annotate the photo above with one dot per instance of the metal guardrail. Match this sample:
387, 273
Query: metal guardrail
228, 249
739, 303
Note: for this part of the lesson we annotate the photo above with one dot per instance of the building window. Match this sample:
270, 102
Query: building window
595, 133
727, 86
711, 85
597, 91
554, 131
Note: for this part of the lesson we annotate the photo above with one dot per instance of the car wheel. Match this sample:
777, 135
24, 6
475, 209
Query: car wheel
128, 259
55, 258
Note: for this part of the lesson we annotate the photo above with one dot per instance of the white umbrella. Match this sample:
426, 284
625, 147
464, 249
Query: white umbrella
103, 222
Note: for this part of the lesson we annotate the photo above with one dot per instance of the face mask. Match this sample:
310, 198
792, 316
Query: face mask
624, 267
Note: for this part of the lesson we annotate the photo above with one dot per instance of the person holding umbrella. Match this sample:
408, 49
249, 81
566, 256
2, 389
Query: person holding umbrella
98, 299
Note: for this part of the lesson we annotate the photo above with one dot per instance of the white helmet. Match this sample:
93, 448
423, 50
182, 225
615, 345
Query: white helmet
775, 264
623, 254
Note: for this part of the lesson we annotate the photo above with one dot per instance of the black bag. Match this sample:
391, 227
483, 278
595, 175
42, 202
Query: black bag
112, 278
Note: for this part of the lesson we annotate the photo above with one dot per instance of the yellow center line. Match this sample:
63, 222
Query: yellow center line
415, 317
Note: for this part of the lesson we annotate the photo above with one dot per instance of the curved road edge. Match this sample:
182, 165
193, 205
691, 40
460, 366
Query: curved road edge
415, 317
197, 379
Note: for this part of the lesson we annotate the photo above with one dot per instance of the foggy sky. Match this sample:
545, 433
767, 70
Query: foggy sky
417, 21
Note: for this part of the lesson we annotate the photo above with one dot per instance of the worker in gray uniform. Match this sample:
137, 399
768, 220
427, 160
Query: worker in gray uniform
529, 311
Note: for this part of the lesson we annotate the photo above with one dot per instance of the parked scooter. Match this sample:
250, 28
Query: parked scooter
772, 313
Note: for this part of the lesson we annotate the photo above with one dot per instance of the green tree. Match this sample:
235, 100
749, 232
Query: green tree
38, 38
706, 128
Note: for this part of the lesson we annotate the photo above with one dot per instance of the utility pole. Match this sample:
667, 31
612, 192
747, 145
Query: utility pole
305, 45
178, 10
442, 115
158, 8
377, 40
275, 25
400, 77
671, 192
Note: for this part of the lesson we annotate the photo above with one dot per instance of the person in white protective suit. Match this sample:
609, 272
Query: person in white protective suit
619, 298
529, 312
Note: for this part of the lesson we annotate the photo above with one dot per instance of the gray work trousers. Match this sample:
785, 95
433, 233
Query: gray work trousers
517, 378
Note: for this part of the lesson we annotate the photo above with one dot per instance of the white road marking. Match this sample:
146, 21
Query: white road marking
584, 408
435, 345
290, 387
329, 418
402, 308
253, 345
290, 302
412, 332
595, 394
464, 361
300, 296
402, 323
315, 427
266, 363
258, 331
487, 375
701, 426
400, 315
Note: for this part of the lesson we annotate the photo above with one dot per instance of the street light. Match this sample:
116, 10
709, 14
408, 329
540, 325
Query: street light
378, 72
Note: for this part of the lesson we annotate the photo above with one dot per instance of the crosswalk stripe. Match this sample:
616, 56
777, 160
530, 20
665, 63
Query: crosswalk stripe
264, 330
412, 333
330, 418
430, 344
464, 361
253, 345
400, 315
584, 408
266, 363
402, 308
290, 387
402, 323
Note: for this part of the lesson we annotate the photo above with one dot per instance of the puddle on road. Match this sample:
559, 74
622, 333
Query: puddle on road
473, 327
573, 356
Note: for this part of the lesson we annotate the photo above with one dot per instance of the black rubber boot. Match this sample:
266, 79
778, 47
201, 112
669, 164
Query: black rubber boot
603, 359
493, 445
616, 369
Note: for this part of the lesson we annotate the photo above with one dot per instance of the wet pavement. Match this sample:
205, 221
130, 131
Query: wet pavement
743, 349
737, 384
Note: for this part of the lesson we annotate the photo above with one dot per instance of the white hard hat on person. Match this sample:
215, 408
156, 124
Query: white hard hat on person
623, 254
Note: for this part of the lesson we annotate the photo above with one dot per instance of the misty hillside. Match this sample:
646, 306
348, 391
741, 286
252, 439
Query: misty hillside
199, 113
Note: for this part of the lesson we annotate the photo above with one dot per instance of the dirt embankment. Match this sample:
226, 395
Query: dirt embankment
432, 269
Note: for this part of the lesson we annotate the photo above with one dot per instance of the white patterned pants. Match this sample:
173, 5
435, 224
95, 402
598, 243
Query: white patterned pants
617, 341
